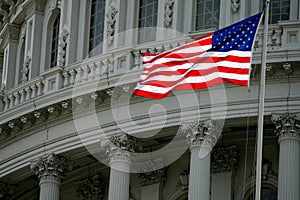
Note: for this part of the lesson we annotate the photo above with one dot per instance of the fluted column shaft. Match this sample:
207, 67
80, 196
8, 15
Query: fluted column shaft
199, 181
49, 188
119, 150
201, 136
287, 128
289, 169
119, 181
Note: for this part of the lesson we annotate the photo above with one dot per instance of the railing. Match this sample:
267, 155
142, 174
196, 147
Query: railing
283, 37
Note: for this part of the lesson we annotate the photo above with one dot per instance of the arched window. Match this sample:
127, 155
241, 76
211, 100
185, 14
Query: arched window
207, 14
147, 18
96, 27
54, 42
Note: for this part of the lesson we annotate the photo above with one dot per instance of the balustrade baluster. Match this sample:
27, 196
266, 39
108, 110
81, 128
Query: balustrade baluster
28, 93
40, 88
92, 71
6, 103
66, 78
137, 59
78, 78
34, 91
72, 76
23, 94
17, 98
98, 69
85, 70
11, 101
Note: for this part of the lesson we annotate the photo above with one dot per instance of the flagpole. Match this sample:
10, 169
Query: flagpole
261, 105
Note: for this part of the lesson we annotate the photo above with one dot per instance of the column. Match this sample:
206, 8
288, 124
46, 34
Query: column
287, 129
50, 170
119, 150
33, 49
10, 40
152, 183
201, 137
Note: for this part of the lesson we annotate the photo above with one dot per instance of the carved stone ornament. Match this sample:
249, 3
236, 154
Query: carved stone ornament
51, 167
235, 5
13, 32
25, 70
184, 179
287, 125
120, 147
55, 4
23, 31
288, 68
224, 159
63, 39
3, 12
202, 133
91, 188
169, 7
154, 177
111, 16
4, 191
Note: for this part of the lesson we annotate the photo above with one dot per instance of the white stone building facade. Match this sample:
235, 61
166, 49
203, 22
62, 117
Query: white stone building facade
70, 128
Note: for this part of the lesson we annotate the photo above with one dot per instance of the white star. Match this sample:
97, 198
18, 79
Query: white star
251, 31
232, 39
247, 46
222, 47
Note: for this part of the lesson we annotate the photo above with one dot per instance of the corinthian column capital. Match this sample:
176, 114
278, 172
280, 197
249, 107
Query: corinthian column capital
51, 167
287, 125
202, 134
120, 147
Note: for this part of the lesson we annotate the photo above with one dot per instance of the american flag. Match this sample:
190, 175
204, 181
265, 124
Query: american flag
218, 57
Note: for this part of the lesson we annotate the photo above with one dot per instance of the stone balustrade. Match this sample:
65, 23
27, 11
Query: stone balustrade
23, 93
119, 61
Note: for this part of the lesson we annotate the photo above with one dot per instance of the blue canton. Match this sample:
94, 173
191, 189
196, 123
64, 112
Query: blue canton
239, 36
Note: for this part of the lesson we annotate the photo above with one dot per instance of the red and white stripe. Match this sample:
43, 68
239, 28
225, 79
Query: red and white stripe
191, 67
